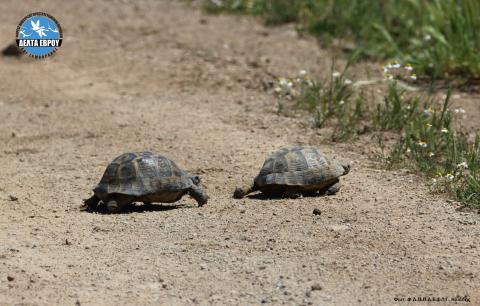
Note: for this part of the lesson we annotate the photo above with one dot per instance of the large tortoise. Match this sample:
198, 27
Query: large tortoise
144, 177
294, 171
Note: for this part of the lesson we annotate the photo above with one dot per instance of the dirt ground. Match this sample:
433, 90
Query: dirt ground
165, 77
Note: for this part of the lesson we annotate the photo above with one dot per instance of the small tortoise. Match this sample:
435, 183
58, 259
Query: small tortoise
296, 171
144, 177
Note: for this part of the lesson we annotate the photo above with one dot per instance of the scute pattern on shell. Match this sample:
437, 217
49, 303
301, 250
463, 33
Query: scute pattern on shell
298, 166
142, 173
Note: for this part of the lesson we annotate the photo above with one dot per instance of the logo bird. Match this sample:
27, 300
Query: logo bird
37, 28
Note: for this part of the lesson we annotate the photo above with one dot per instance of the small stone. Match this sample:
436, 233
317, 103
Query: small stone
10, 278
12, 198
316, 287
317, 212
67, 242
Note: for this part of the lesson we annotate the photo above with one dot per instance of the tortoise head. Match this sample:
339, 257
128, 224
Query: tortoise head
195, 179
239, 193
346, 168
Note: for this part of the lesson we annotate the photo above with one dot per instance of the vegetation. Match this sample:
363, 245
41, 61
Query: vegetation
436, 38
427, 140
440, 38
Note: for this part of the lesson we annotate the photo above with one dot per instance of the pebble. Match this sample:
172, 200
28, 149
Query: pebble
316, 287
12, 198
10, 278
317, 212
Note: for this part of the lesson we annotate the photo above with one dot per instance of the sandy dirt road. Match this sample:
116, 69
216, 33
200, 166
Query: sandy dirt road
160, 76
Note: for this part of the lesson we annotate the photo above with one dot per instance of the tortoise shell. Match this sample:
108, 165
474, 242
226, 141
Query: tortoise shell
299, 166
142, 173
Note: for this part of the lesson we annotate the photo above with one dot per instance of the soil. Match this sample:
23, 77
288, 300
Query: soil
166, 77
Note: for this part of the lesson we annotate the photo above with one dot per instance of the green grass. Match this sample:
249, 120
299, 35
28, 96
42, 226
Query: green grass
426, 140
440, 38
430, 144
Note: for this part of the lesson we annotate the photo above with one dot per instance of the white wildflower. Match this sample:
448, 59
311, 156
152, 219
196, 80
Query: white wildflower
278, 89
408, 67
341, 102
217, 2
336, 74
413, 77
422, 144
303, 73
463, 165
449, 177
282, 82
427, 112
347, 82
444, 130
459, 111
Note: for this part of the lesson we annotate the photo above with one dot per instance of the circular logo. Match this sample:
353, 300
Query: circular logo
39, 35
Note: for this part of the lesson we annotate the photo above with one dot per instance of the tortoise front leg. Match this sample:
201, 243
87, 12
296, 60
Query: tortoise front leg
198, 194
91, 203
116, 203
292, 193
333, 189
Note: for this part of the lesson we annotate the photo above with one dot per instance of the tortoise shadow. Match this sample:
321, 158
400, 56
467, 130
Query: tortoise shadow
137, 209
275, 197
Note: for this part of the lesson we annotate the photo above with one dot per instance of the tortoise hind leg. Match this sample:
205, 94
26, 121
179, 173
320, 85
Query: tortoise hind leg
117, 203
198, 194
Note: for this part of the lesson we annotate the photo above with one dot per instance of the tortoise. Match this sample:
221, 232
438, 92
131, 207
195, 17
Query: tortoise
294, 171
144, 177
